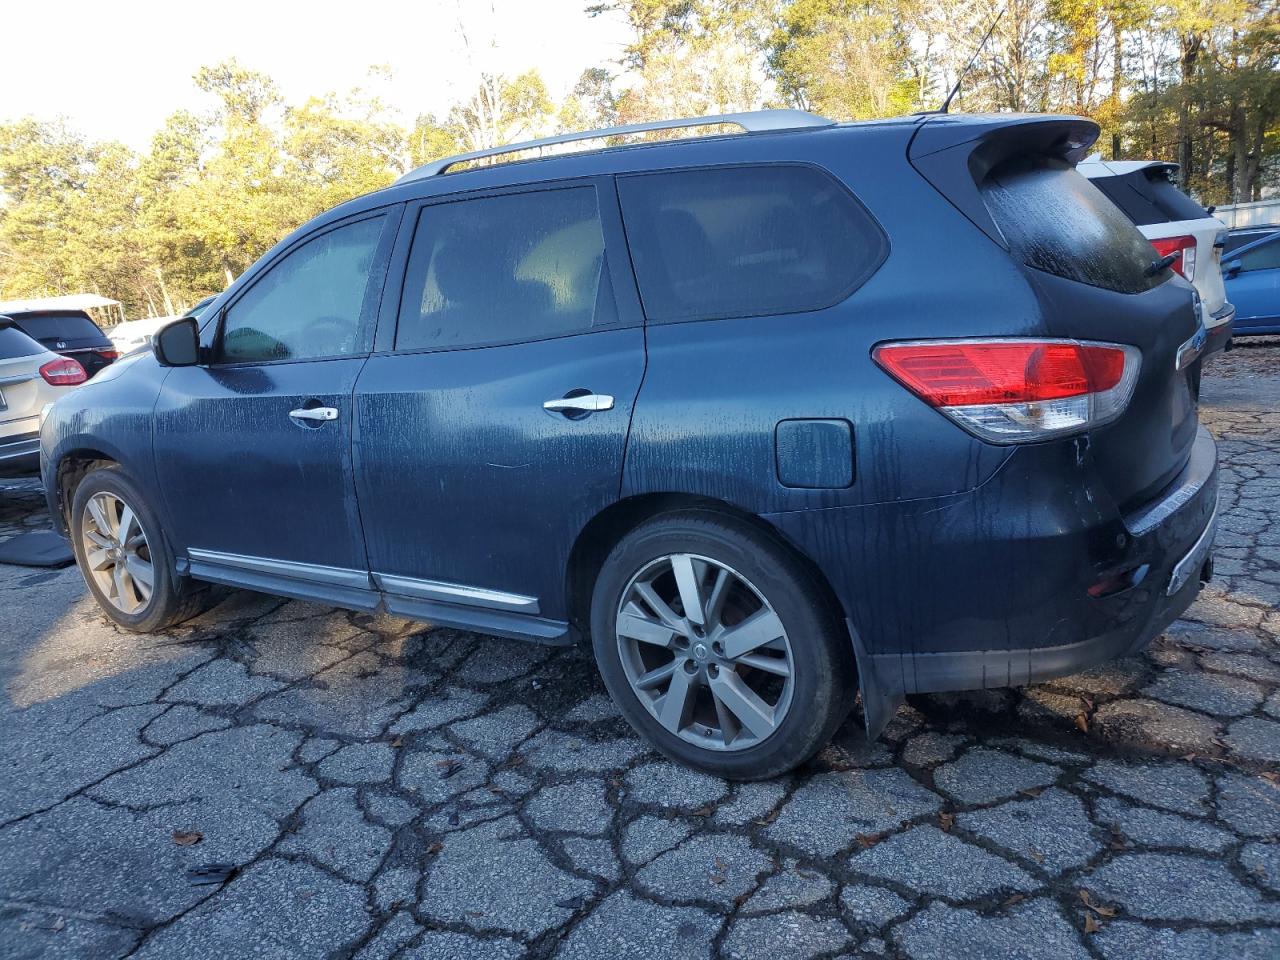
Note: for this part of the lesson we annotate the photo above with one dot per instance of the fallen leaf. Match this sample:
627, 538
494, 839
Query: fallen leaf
1015, 898
1032, 792
768, 818
946, 820
1082, 723
867, 840
187, 838
435, 848
1271, 776
1085, 898
398, 742
448, 767
1104, 911
1091, 924
706, 811
719, 872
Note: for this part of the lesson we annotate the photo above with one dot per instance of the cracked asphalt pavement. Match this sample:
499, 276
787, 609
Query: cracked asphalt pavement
279, 779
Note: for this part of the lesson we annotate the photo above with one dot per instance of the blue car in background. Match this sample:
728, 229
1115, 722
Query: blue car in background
1252, 279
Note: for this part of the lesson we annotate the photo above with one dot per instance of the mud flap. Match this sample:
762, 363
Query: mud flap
881, 688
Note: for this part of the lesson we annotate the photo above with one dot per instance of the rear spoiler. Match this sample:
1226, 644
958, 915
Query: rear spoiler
955, 152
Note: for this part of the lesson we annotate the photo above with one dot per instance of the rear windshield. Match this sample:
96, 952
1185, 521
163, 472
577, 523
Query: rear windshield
58, 326
1148, 196
14, 344
1056, 221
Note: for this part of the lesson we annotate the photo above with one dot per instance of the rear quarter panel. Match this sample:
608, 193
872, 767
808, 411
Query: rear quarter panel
715, 390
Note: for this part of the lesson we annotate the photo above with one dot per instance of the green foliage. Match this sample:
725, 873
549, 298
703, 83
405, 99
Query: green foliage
1195, 81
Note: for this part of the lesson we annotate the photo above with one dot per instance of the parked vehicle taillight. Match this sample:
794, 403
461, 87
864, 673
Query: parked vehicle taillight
1184, 247
1014, 391
108, 354
63, 372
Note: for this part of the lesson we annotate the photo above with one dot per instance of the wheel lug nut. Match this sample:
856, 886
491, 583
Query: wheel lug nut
713, 670
690, 667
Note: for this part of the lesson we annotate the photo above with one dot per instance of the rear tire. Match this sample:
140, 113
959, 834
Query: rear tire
751, 684
124, 557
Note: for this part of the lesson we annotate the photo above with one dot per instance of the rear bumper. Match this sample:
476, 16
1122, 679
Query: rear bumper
1219, 326
19, 452
1031, 576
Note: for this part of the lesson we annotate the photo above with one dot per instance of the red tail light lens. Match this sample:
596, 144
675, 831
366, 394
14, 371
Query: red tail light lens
108, 354
1184, 247
1010, 391
63, 372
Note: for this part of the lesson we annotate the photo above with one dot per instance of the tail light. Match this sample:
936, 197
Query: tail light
1184, 247
1016, 391
63, 372
108, 354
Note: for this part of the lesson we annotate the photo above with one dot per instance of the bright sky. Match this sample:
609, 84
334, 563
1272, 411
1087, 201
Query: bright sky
116, 70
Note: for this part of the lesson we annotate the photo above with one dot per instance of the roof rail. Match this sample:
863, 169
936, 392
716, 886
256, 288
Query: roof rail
752, 121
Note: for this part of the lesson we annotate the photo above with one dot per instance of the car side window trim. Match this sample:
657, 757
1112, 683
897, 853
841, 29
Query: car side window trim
370, 305
872, 266
616, 257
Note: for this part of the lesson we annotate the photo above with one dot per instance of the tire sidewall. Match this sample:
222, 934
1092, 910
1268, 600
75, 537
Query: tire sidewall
163, 593
822, 683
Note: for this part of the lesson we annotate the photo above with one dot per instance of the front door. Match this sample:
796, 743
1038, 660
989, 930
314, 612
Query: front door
495, 425
253, 450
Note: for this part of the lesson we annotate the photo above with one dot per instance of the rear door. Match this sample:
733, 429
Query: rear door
492, 426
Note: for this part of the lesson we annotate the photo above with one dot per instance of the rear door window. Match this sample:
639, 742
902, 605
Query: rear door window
1055, 220
745, 241
14, 344
505, 268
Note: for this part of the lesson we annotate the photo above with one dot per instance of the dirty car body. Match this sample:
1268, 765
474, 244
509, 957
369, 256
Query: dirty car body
817, 381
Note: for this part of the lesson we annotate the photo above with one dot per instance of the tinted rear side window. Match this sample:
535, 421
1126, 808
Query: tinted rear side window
58, 326
745, 241
522, 266
14, 344
1055, 220
1149, 196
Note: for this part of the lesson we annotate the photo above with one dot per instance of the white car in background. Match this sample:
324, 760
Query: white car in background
31, 377
136, 334
1176, 226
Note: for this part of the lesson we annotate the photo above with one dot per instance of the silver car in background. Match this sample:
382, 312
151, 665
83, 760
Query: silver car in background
31, 377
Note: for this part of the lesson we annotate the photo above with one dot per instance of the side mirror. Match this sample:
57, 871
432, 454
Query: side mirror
1232, 267
178, 343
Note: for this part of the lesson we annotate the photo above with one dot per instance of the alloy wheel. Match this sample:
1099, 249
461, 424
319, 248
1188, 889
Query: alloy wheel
117, 555
705, 652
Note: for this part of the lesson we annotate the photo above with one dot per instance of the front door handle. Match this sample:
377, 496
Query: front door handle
314, 413
589, 403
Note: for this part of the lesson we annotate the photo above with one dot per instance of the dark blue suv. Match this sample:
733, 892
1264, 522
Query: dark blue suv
772, 417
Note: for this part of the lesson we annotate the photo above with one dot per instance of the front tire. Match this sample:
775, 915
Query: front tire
719, 647
123, 555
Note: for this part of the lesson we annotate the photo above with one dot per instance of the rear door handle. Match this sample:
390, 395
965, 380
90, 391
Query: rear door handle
314, 413
590, 403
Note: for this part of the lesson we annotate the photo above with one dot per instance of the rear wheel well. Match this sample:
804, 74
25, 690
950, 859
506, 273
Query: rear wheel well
602, 533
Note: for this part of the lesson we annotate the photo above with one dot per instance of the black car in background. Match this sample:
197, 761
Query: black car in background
71, 333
